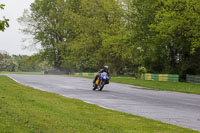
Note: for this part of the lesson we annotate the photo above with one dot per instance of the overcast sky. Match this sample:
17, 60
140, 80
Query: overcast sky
11, 38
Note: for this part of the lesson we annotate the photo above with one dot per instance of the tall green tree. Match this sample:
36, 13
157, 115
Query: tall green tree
141, 14
104, 42
81, 35
177, 32
165, 35
46, 23
160, 36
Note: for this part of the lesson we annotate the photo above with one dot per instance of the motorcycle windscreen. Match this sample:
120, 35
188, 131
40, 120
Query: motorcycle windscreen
104, 75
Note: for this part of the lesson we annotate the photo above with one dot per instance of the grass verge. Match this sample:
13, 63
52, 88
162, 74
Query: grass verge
160, 85
24, 109
157, 85
26, 73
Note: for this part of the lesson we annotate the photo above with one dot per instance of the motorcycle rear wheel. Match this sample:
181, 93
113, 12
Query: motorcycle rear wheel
94, 87
101, 87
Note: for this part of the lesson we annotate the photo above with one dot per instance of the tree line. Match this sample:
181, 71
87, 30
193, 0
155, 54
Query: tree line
22, 63
156, 36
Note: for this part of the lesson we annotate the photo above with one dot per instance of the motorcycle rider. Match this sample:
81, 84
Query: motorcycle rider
105, 69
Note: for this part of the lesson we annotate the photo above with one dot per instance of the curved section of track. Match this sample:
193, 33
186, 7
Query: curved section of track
169, 107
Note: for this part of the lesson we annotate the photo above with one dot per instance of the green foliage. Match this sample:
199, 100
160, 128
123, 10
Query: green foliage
141, 14
176, 27
166, 33
32, 63
83, 35
62, 29
22, 63
6, 62
4, 22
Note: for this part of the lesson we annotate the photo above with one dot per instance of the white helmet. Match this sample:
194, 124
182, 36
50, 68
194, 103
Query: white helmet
106, 68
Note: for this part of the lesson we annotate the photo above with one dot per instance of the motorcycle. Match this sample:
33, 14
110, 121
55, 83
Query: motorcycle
101, 81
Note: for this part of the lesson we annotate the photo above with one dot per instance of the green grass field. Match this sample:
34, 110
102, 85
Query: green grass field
24, 109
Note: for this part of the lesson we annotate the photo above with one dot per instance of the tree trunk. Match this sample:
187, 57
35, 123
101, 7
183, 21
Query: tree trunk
114, 72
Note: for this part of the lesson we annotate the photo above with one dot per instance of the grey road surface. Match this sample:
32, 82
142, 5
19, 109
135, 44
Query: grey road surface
169, 107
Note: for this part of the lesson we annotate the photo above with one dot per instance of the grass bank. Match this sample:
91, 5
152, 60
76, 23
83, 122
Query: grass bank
23, 109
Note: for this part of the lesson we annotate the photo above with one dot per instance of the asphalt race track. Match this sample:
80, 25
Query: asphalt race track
169, 107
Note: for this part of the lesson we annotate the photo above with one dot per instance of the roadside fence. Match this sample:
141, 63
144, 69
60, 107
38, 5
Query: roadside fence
85, 74
156, 77
160, 77
193, 78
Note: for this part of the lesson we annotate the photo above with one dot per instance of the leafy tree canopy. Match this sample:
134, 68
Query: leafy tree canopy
159, 36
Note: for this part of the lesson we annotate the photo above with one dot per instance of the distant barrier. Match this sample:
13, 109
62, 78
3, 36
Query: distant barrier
85, 74
193, 78
55, 72
146, 76
161, 77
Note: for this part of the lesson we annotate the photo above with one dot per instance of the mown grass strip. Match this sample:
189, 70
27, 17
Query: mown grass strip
24, 109
26, 73
157, 85
160, 85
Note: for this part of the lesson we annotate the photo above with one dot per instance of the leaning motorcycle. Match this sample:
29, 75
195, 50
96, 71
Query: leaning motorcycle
101, 81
